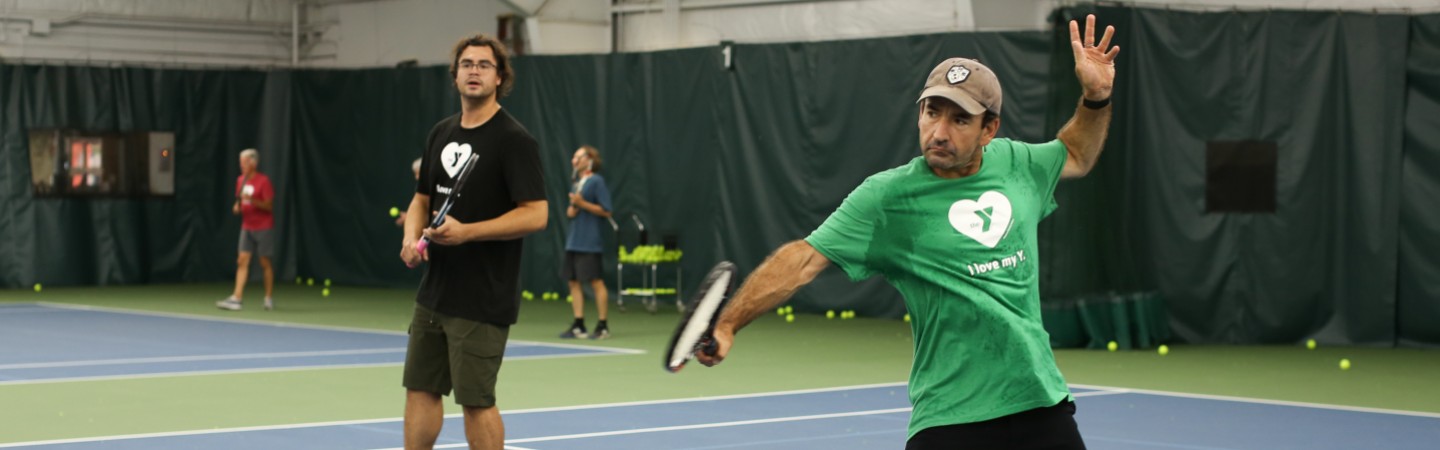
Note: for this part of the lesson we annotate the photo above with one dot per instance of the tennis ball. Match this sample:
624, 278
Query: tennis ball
830, 314
394, 212
780, 311
789, 317
1344, 364
325, 292
299, 281
327, 282
309, 281
1164, 350
569, 299
907, 317
37, 287
1112, 346
1310, 344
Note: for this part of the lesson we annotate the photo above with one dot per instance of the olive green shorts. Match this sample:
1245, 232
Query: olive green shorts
446, 352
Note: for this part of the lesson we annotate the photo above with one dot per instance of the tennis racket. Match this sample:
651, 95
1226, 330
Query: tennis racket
697, 327
455, 191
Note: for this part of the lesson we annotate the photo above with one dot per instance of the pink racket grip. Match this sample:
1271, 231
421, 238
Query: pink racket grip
421, 245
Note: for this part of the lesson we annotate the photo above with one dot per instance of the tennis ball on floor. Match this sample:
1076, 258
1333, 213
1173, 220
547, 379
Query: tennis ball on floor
37, 287
299, 281
780, 311
830, 314
327, 282
325, 292
1310, 344
309, 281
1112, 346
569, 299
1344, 364
1164, 350
527, 295
394, 212
789, 317
907, 317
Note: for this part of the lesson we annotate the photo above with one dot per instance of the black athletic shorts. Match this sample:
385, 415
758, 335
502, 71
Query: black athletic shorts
1048, 428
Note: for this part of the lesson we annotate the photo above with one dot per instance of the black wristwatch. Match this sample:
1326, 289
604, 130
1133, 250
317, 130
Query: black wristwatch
1095, 104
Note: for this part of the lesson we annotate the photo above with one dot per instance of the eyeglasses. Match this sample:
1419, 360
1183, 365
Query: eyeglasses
466, 64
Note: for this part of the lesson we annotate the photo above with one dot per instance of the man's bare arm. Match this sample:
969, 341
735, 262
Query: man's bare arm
791, 267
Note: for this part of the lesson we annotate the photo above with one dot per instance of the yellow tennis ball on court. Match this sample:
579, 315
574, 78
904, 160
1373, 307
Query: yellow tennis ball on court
1310, 344
309, 281
830, 314
789, 317
1164, 350
325, 292
37, 287
1344, 364
394, 212
1112, 346
780, 311
907, 317
327, 282
569, 299
299, 281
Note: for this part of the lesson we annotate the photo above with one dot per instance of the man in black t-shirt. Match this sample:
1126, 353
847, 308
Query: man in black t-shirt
467, 300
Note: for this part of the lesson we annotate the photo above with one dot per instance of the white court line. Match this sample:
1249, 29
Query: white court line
448, 416
303, 326
182, 373
1266, 401
687, 427
160, 359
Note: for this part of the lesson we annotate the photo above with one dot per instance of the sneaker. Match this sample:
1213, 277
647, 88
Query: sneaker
229, 304
601, 333
269, 304
574, 333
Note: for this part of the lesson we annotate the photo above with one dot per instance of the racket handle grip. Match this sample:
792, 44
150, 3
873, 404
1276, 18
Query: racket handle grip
421, 245
708, 346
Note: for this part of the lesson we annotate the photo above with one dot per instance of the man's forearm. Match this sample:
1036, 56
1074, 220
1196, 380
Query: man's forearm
792, 266
514, 224
416, 218
1084, 135
595, 209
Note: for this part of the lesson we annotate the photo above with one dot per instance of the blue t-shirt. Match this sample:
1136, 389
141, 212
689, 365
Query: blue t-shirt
585, 228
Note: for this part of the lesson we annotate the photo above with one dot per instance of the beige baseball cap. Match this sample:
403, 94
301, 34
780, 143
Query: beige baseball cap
967, 83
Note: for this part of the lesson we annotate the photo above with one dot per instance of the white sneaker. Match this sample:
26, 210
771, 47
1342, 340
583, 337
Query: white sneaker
269, 304
229, 304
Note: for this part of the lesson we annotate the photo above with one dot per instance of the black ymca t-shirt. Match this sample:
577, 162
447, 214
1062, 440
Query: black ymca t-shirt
478, 280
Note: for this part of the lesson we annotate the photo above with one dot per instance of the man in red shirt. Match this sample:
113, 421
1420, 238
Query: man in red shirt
254, 200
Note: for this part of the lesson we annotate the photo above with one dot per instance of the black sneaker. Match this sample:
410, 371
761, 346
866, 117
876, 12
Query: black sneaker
574, 333
601, 332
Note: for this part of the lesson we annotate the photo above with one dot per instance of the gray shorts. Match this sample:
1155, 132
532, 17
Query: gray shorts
580, 266
259, 242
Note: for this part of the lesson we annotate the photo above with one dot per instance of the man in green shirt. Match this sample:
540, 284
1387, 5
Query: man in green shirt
954, 231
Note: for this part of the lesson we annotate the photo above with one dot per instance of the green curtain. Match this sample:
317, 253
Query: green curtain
737, 161
1418, 290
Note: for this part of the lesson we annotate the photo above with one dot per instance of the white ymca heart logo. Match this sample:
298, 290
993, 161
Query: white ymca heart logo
985, 221
248, 190
453, 157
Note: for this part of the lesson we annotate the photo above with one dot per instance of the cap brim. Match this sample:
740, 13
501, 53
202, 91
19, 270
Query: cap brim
955, 95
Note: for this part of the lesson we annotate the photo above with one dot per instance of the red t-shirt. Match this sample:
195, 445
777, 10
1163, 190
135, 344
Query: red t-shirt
251, 217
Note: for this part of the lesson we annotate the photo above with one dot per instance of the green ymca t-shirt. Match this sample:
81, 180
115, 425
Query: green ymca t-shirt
963, 253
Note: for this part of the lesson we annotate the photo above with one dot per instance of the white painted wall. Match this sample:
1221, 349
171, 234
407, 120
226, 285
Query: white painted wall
380, 33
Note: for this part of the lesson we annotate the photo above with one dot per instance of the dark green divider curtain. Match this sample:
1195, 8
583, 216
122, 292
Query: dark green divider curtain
1418, 293
1328, 89
738, 161
189, 237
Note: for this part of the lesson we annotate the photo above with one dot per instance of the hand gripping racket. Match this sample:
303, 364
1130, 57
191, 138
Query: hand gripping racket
695, 333
455, 191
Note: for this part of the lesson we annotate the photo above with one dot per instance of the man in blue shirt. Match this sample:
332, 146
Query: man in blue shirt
589, 210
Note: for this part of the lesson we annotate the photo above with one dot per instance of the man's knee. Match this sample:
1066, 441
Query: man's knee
243, 260
265, 262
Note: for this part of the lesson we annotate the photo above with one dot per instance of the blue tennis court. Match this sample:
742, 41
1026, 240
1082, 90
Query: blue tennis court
52, 343
859, 417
